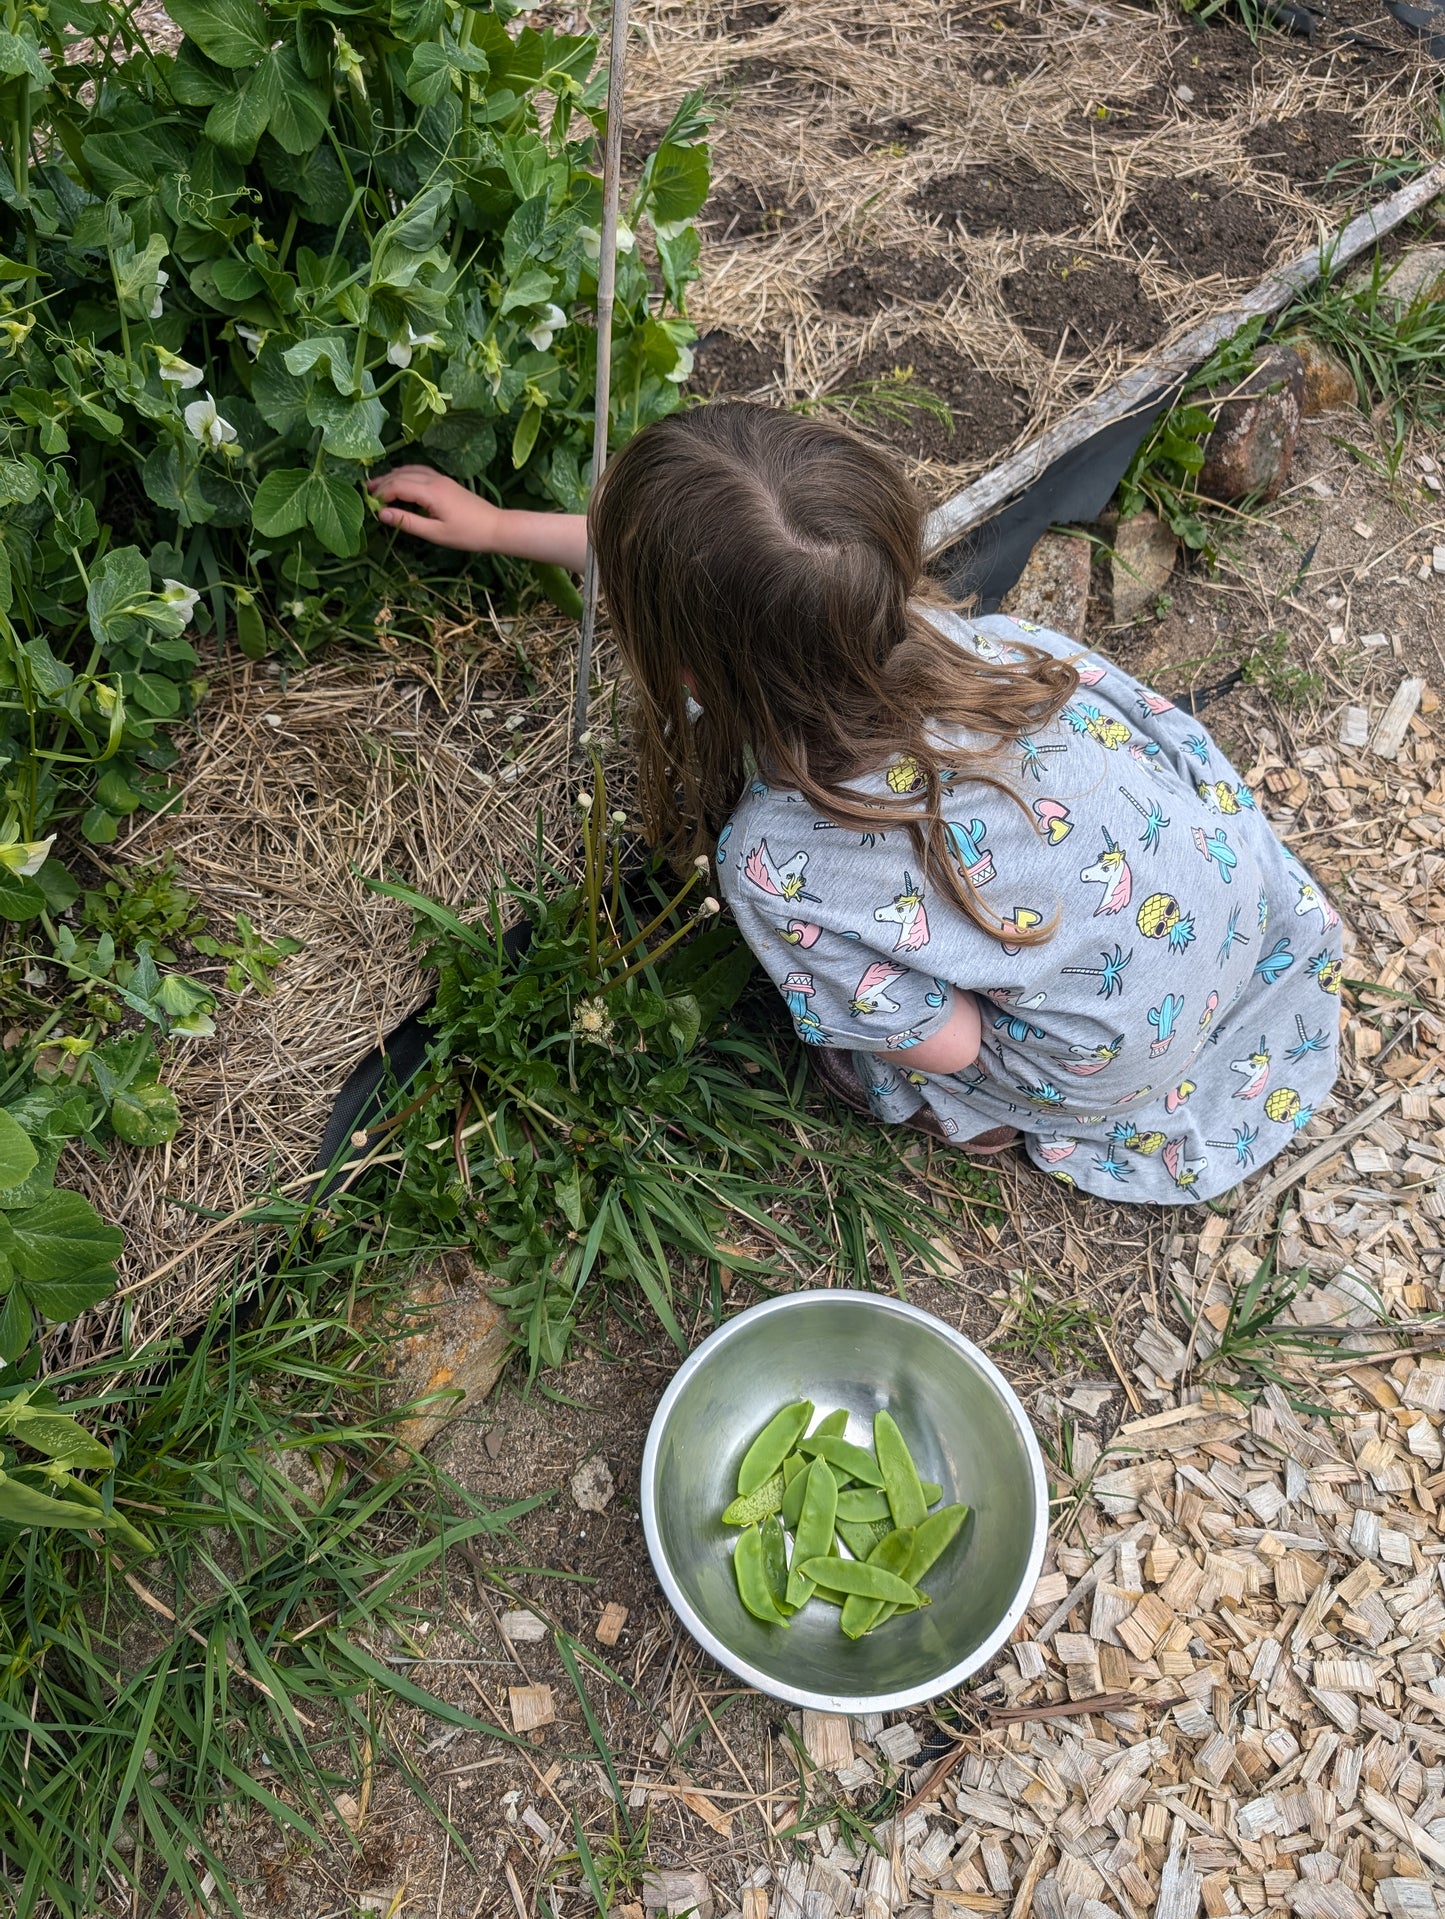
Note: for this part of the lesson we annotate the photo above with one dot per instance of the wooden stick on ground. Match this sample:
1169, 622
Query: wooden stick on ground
606, 293
1172, 363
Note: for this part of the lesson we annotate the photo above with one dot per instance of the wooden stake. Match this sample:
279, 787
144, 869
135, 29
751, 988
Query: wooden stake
606, 293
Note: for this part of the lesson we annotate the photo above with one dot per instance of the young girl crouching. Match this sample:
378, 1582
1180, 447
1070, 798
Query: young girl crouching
1004, 889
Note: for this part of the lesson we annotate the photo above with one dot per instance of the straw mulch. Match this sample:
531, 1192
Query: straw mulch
1013, 200
430, 770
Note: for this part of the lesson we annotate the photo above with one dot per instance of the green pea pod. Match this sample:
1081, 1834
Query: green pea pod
813, 1535
932, 1539
750, 1571
848, 1458
752, 1507
900, 1475
797, 1485
773, 1444
860, 1536
857, 1576
832, 1425
890, 1555
775, 1561
870, 1502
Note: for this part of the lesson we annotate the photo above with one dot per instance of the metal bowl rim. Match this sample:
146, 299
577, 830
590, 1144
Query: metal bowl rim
698, 1627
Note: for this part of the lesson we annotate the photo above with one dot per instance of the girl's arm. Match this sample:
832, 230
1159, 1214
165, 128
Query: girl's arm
955, 1044
452, 515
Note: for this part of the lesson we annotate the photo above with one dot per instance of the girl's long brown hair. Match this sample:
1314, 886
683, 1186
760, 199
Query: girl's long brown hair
777, 561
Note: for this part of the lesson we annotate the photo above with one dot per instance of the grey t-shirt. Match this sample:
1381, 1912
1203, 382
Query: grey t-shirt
1181, 1024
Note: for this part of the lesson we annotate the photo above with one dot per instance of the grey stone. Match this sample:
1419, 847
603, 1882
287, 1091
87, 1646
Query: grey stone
1142, 558
1053, 589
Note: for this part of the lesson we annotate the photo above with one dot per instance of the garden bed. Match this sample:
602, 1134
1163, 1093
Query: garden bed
1014, 202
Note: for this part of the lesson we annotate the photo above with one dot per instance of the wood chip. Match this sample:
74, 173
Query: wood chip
828, 1740
1394, 722
531, 1706
609, 1626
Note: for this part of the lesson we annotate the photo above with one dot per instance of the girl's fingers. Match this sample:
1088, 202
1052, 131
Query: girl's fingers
404, 483
419, 523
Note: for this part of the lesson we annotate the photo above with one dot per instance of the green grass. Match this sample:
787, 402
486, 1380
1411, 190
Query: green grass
1270, 668
1047, 1329
291, 1537
1396, 353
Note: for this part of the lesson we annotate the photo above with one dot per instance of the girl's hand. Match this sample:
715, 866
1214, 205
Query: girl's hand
451, 515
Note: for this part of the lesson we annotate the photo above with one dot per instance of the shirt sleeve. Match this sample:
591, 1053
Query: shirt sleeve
845, 986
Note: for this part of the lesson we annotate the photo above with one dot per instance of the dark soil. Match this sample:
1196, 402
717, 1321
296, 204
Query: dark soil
1202, 225
987, 413
1215, 66
746, 209
898, 132
867, 286
726, 367
1305, 149
750, 18
1015, 198
1094, 300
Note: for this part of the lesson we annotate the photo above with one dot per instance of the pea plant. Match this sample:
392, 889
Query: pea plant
316, 235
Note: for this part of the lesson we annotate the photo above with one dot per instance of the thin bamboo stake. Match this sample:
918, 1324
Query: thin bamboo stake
606, 293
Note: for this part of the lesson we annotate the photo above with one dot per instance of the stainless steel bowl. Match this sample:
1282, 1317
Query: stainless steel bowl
966, 1430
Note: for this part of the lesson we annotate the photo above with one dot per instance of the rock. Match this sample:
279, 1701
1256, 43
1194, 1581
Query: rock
1329, 383
1249, 451
1053, 589
1418, 274
1142, 558
454, 1357
676, 1891
593, 1485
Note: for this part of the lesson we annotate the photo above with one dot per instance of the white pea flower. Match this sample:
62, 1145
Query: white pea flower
163, 279
542, 330
206, 424
400, 351
683, 369
185, 599
254, 339
178, 372
592, 240
25, 857
297, 609
670, 229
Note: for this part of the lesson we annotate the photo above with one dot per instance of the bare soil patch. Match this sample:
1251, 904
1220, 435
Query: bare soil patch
726, 367
750, 210
987, 412
1202, 225
1305, 148
1082, 302
896, 132
868, 286
1009, 199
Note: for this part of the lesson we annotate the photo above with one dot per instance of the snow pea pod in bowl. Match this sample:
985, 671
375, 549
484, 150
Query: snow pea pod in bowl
847, 1357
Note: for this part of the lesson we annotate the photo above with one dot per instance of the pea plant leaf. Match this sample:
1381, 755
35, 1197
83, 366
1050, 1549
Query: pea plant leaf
62, 1237
18, 1157
233, 33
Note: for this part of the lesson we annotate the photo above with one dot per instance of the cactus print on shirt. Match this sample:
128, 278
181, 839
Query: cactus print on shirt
1177, 1030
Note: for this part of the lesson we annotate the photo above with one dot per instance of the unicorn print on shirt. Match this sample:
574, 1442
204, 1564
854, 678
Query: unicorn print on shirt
783, 882
907, 912
1111, 871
